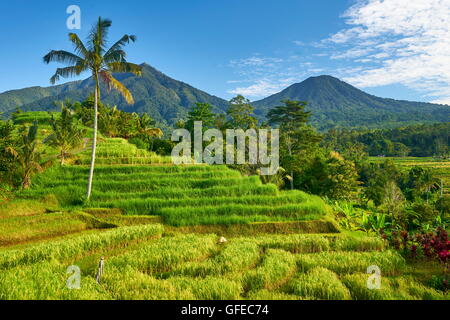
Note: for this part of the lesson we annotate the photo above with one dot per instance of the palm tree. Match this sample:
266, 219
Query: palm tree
101, 62
67, 133
27, 154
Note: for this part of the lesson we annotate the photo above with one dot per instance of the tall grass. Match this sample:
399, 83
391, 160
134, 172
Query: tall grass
46, 281
229, 214
389, 262
26, 228
63, 249
130, 284
209, 288
153, 206
167, 253
276, 269
396, 288
237, 256
298, 243
69, 195
149, 185
319, 283
42, 117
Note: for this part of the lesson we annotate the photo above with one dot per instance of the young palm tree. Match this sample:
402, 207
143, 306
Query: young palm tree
27, 154
101, 62
67, 134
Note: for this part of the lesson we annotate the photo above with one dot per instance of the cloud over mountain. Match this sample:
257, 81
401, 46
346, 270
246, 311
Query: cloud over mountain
398, 41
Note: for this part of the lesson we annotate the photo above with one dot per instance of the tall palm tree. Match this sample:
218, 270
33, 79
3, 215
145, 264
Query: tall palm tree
101, 62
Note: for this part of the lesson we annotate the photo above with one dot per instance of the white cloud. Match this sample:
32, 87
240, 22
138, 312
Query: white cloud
256, 61
352, 53
406, 41
263, 76
263, 88
442, 101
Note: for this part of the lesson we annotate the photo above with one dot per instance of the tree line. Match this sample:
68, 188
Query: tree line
425, 140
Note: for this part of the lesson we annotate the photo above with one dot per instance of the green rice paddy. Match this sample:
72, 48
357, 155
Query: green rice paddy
158, 228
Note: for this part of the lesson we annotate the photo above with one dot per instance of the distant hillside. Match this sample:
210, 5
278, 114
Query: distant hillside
155, 93
333, 102
336, 103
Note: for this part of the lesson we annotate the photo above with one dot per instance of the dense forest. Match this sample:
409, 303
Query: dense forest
426, 140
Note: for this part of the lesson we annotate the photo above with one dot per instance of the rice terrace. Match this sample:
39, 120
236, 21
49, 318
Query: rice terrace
96, 205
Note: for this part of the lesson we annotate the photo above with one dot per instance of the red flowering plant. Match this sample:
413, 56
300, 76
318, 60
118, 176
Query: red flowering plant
434, 246
431, 245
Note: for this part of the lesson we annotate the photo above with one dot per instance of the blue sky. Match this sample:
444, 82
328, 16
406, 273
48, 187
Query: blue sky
391, 48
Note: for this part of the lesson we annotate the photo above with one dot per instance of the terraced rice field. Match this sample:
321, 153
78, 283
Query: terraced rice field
441, 168
180, 195
119, 151
142, 262
158, 229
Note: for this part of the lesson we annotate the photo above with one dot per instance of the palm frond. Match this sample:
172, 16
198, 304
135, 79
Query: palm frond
78, 44
112, 82
99, 35
125, 67
115, 56
12, 151
116, 48
62, 56
67, 73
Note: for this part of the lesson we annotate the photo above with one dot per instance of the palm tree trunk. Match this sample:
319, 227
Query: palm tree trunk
292, 180
289, 145
62, 157
26, 180
94, 140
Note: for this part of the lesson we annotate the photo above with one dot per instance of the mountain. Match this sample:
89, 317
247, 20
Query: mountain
334, 102
164, 98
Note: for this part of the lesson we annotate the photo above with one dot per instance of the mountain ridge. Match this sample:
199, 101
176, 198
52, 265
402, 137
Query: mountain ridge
332, 101
164, 98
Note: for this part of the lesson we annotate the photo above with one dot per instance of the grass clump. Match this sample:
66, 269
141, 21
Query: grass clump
319, 283
358, 243
298, 243
396, 288
272, 295
276, 268
209, 288
153, 206
80, 245
26, 228
236, 256
165, 254
46, 281
228, 214
130, 284
389, 262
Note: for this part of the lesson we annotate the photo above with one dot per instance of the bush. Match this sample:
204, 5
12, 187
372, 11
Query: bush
443, 205
162, 147
139, 143
425, 212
